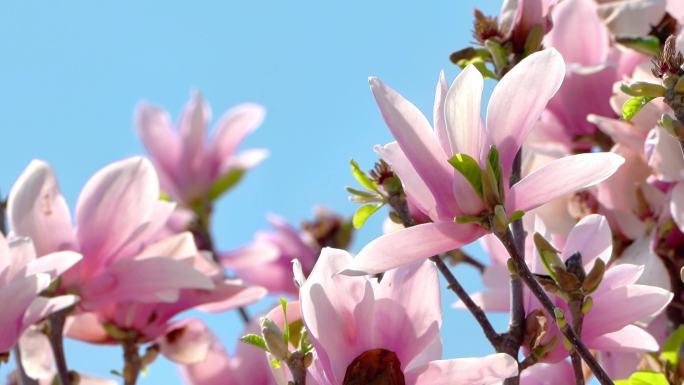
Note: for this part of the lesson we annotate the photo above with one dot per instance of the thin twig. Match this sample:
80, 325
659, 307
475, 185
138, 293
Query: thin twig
132, 361
56, 337
538, 291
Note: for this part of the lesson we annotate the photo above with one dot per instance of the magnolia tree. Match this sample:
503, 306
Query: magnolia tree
572, 180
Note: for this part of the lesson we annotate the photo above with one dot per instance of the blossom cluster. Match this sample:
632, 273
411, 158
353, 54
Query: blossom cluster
571, 179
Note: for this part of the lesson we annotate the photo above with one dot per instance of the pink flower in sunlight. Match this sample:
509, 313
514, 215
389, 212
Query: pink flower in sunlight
249, 366
619, 303
419, 157
22, 278
366, 332
118, 216
189, 168
155, 320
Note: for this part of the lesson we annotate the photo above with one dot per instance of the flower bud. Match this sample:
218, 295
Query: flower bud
587, 305
594, 277
643, 89
548, 254
274, 338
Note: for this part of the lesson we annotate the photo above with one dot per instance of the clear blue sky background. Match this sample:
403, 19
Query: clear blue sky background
72, 72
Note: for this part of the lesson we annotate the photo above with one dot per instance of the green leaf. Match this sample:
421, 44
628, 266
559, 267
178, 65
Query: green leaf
364, 194
254, 340
226, 182
363, 213
165, 197
648, 45
286, 335
494, 169
648, 378
671, 347
470, 169
518, 214
361, 176
275, 363
480, 64
633, 105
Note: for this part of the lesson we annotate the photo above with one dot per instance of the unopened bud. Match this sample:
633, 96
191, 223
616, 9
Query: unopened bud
643, 89
500, 219
274, 338
548, 254
567, 281
594, 278
560, 317
673, 126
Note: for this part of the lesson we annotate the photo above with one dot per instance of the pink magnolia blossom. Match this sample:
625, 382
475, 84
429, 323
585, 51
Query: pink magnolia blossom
354, 321
249, 366
188, 166
267, 261
118, 217
619, 303
22, 278
155, 321
419, 157
518, 17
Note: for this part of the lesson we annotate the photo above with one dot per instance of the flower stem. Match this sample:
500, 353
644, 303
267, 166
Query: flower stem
56, 337
536, 289
132, 361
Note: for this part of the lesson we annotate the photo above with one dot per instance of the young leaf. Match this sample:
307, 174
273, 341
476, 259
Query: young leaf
468, 167
518, 214
225, 183
671, 347
633, 105
494, 170
286, 333
648, 378
254, 340
361, 176
363, 213
480, 64
364, 194
648, 45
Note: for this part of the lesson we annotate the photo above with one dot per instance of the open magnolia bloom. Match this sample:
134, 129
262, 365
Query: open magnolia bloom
421, 158
388, 332
22, 279
118, 217
189, 168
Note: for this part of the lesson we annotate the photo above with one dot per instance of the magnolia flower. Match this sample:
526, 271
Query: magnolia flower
618, 302
189, 168
367, 332
118, 217
155, 321
419, 157
249, 366
22, 279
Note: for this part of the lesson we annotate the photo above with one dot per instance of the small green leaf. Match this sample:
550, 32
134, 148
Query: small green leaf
361, 176
464, 219
671, 347
254, 340
275, 363
494, 170
633, 105
286, 333
165, 197
364, 194
480, 64
225, 183
518, 214
363, 213
648, 378
648, 45
470, 169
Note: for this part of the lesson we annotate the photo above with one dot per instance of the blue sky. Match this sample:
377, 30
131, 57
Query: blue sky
72, 73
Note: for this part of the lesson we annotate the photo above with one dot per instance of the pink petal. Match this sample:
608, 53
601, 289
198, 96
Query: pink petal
254, 255
42, 307
186, 342
414, 185
17, 296
151, 229
632, 18
408, 310
417, 140
411, 244
54, 263
193, 127
628, 339
156, 279
86, 327
334, 302
462, 111
592, 238
155, 130
619, 275
229, 295
215, 369
438, 114
641, 253
588, 48
245, 160
560, 177
465, 371
113, 204
178, 247
511, 113
36, 355
36, 208
621, 306
234, 127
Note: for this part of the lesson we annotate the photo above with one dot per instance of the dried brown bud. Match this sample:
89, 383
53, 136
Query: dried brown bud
536, 328
594, 277
485, 27
669, 61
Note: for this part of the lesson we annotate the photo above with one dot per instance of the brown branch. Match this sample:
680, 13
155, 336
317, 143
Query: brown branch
56, 337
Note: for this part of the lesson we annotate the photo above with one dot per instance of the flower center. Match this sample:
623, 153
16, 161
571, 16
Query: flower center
375, 367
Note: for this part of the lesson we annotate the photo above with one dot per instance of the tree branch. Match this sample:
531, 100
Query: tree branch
56, 338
